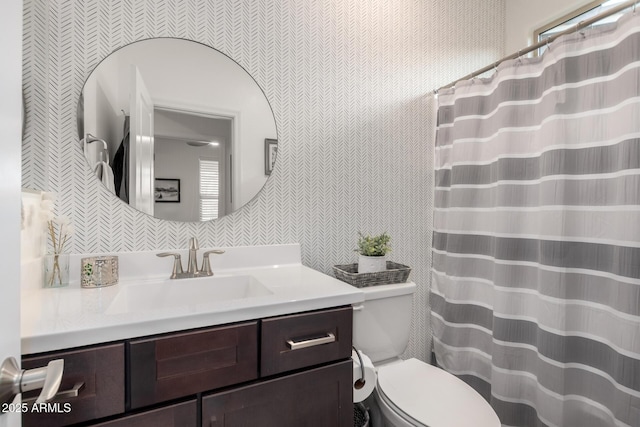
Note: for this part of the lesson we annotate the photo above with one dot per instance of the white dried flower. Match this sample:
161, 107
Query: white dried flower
59, 229
46, 215
63, 220
68, 230
48, 196
46, 205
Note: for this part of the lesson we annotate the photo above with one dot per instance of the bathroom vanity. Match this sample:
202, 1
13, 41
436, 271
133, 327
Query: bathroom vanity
279, 357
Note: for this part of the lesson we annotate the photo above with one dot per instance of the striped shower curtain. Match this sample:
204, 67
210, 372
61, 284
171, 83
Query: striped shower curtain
536, 248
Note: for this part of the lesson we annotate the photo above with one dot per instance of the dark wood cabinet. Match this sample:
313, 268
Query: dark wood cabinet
281, 335
178, 365
292, 370
179, 415
97, 374
320, 397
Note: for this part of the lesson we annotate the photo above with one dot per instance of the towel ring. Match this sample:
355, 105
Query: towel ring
105, 149
90, 138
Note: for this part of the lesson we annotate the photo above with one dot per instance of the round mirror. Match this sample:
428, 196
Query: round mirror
177, 129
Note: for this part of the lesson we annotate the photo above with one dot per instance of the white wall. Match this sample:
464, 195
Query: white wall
102, 117
525, 16
176, 159
191, 127
349, 83
10, 127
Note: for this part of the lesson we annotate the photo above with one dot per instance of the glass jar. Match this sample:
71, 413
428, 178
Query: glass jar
56, 270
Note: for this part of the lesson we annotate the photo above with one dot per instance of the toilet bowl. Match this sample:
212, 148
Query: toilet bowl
414, 393
410, 392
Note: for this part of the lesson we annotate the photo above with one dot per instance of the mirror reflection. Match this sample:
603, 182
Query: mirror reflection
177, 129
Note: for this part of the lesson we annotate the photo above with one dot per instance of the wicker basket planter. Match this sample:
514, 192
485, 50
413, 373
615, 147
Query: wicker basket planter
395, 273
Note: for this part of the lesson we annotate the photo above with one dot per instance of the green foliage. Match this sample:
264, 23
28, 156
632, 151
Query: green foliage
373, 245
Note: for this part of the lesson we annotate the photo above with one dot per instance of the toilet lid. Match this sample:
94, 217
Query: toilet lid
433, 397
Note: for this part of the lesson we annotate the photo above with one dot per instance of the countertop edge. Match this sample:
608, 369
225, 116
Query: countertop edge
36, 344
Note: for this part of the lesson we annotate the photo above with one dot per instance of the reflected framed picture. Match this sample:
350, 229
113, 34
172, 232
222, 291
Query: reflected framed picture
270, 153
167, 190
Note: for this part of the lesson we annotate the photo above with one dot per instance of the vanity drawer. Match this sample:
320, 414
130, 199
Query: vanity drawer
99, 374
317, 397
182, 364
180, 415
306, 339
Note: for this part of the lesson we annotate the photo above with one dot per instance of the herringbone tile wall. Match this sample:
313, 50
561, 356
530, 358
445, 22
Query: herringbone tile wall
349, 82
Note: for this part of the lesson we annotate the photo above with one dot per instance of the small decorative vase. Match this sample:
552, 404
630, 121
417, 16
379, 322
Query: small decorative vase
371, 264
56, 270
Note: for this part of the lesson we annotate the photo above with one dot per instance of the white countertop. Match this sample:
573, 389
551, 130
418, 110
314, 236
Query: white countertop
55, 319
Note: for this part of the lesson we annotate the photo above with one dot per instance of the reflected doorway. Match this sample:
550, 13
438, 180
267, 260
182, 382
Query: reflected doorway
195, 149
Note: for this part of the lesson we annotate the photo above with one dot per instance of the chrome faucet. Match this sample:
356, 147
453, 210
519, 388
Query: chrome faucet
192, 267
192, 264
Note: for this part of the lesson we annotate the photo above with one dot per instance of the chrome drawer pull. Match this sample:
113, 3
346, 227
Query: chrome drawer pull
297, 345
72, 392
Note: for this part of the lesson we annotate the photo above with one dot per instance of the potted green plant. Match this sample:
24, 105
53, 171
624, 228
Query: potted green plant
372, 252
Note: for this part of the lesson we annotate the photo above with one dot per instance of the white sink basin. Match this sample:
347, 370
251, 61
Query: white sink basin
186, 293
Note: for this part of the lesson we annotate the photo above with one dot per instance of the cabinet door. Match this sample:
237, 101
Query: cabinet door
180, 415
183, 364
92, 386
302, 340
320, 397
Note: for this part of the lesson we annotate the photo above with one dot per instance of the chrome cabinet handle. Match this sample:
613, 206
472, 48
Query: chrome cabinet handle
14, 380
297, 345
72, 392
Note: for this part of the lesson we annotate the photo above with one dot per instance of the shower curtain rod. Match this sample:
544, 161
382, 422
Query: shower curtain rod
580, 25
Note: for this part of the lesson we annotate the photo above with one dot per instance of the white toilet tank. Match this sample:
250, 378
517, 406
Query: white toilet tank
381, 324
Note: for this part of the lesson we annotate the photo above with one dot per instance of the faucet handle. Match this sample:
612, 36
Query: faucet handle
206, 265
177, 263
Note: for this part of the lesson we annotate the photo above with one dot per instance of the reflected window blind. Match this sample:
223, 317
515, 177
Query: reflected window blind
209, 189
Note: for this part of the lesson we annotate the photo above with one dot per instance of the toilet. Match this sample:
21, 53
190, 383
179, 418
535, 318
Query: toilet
410, 392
